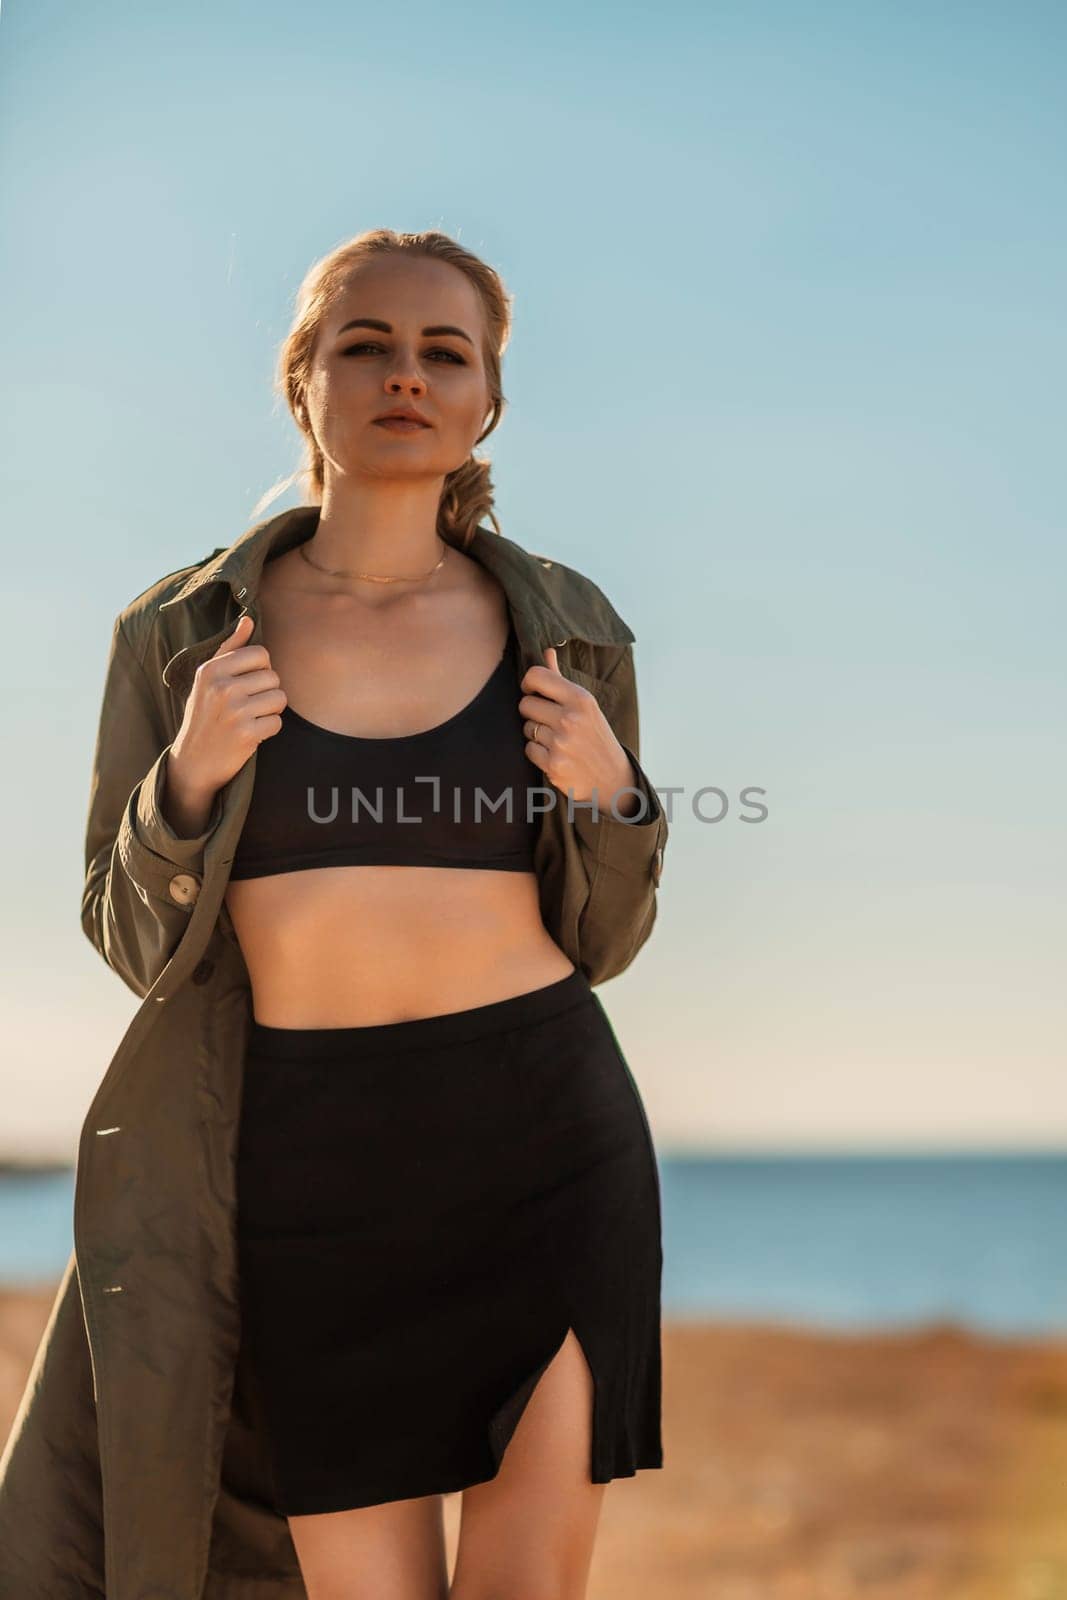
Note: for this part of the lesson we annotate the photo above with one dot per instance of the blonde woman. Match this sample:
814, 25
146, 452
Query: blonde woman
383, 1167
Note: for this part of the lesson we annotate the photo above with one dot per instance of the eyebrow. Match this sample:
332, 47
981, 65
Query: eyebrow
387, 327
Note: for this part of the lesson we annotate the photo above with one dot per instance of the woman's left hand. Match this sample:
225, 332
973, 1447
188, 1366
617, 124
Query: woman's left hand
569, 738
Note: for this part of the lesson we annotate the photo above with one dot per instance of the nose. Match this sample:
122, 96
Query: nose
405, 377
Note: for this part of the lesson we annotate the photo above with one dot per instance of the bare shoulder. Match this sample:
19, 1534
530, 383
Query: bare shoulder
468, 579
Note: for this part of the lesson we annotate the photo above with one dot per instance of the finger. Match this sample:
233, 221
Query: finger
538, 755
269, 702
552, 684
259, 680
553, 665
538, 709
237, 638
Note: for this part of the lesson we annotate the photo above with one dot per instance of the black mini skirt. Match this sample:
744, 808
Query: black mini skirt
424, 1209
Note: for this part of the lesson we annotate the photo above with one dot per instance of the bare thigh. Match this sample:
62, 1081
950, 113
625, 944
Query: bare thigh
528, 1533
388, 1552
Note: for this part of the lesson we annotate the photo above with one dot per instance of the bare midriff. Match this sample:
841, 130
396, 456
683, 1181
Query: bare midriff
350, 946
341, 947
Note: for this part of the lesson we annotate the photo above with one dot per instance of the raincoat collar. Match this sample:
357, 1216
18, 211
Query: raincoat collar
558, 603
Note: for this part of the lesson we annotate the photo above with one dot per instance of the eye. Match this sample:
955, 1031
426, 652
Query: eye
369, 344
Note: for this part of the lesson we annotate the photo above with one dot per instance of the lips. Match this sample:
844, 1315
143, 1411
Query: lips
400, 425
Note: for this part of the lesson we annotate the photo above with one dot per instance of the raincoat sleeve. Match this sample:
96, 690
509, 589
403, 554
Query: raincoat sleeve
133, 911
624, 857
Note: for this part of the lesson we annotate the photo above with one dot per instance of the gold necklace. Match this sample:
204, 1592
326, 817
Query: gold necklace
370, 577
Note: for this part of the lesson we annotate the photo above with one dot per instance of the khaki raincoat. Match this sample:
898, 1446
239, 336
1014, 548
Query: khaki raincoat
135, 1469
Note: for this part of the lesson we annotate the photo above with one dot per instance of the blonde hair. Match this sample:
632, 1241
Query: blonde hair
467, 495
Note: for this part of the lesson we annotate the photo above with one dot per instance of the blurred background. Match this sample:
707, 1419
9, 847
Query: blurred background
786, 379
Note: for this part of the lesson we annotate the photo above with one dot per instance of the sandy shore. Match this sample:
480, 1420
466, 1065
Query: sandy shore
802, 1465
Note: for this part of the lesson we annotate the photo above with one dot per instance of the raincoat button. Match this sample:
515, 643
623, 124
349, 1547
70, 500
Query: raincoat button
184, 888
203, 970
657, 864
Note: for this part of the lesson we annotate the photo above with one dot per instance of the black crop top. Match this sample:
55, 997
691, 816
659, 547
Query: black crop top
439, 798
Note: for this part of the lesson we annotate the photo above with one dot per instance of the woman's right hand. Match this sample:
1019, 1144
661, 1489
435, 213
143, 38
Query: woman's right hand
235, 703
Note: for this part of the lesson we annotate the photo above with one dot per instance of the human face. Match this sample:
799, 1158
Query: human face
360, 371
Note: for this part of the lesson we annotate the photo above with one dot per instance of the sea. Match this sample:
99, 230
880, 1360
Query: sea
839, 1241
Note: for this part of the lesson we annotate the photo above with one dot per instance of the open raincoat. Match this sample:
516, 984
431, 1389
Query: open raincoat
136, 1467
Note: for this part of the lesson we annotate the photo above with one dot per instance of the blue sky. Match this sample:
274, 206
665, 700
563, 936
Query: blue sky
785, 379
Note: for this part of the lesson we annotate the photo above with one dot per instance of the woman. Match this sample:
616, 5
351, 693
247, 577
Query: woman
446, 1207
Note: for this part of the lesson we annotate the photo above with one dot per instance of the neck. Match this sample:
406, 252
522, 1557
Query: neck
383, 528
